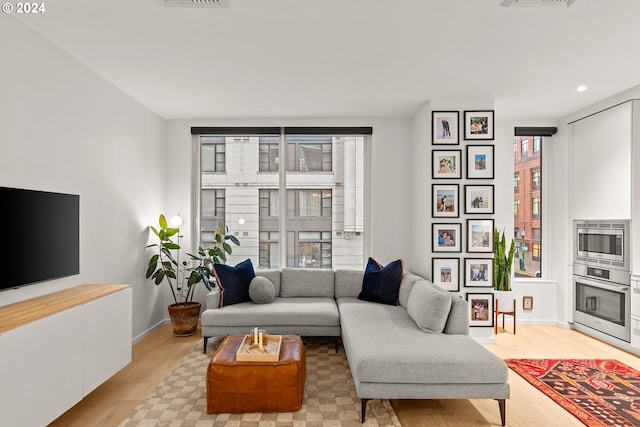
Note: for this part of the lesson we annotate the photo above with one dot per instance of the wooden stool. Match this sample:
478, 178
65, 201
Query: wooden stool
503, 313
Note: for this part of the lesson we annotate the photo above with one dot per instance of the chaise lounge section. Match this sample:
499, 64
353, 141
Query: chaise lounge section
418, 349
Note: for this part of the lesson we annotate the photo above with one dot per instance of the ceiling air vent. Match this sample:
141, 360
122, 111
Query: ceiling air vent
196, 3
536, 3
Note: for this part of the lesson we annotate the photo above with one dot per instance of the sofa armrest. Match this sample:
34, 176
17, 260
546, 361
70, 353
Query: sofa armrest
213, 298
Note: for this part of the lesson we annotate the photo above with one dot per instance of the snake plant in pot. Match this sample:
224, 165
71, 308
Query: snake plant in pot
502, 261
182, 277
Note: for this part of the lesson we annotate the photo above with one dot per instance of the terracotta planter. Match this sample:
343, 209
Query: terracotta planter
184, 318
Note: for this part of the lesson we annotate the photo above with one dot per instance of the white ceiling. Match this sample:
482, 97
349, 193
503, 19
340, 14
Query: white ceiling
357, 58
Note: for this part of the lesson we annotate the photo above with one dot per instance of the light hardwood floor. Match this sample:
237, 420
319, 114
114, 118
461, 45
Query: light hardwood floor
157, 355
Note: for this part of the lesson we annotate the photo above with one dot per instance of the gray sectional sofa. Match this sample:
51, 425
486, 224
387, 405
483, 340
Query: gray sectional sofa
419, 349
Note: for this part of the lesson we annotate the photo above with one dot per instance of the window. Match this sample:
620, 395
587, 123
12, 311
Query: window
269, 204
309, 153
537, 144
535, 206
524, 148
301, 218
535, 179
213, 154
528, 196
309, 214
268, 249
516, 183
302, 203
535, 244
313, 249
269, 147
212, 213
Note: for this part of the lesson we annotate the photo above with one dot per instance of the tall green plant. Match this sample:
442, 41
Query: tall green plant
502, 261
164, 265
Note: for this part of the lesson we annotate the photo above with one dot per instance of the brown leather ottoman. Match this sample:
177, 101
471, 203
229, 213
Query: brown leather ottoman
240, 387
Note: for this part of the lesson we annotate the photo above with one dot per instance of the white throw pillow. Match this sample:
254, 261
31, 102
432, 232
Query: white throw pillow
429, 306
262, 290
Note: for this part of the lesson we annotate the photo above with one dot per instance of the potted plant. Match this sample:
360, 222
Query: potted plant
502, 261
182, 277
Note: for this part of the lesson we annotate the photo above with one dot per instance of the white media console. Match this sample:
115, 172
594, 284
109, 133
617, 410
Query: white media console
57, 348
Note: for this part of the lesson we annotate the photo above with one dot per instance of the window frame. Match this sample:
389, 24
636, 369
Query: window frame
536, 202
364, 131
524, 147
216, 168
545, 176
534, 185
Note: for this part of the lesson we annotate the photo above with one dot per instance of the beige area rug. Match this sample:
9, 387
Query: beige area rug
330, 397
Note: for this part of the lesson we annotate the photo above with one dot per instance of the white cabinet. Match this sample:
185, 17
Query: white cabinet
107, 338
49, 363
602, 164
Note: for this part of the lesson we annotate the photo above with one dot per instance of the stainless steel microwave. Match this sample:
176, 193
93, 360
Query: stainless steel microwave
602, 243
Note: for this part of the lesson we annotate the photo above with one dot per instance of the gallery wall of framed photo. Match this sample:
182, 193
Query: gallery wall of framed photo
462, 214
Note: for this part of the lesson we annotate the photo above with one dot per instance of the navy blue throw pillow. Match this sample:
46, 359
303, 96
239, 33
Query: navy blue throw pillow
234, 282
381, 284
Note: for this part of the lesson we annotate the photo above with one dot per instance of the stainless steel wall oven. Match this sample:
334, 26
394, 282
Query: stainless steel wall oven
602, 276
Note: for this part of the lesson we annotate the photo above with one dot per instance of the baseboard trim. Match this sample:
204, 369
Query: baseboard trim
534, 322
149, 331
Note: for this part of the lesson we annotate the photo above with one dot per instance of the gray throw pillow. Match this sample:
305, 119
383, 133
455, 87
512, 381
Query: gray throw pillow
262, 290
429, 306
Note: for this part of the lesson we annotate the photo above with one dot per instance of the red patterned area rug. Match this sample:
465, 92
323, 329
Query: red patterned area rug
597, 392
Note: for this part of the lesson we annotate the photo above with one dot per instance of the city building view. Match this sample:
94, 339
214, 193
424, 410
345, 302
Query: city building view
527, 213
323, 222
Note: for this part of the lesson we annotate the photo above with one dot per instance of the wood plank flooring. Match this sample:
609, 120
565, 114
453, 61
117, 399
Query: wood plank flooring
160, 353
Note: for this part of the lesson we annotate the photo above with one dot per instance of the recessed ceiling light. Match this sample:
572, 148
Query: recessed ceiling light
581, 88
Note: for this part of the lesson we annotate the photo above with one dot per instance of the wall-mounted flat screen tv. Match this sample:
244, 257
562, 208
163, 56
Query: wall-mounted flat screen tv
40, 236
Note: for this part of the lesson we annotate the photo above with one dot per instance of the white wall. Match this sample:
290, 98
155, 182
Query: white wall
63, 128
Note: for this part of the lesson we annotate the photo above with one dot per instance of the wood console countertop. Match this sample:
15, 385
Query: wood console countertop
23, 312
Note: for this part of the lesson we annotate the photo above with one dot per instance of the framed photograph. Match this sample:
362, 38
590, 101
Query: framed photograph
480, 235
444, 127
527, 303
446, 237
446, 272
478, 199
480, 309
480, 162
445, 200
446, 164
478, 272
478, 125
